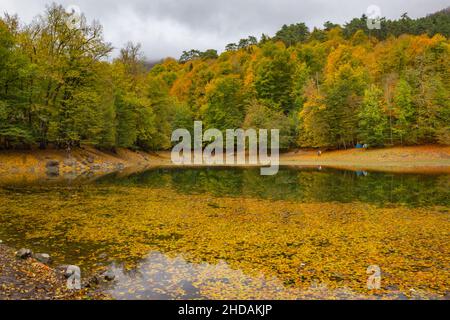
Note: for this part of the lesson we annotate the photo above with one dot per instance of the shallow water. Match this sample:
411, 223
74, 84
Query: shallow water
230, 233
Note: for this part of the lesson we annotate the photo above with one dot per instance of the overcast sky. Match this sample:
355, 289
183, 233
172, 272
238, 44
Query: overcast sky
167, 27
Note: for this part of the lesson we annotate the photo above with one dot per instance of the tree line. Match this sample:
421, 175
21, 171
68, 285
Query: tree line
329, 88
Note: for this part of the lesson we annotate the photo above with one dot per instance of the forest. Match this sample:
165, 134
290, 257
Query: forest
332, 87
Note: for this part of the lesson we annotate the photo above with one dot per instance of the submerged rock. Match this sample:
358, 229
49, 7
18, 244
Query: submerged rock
337, 277
43, 258
24, 253
70, 162
96, 167
73, 276
109, 275
103, 256
120, 166
71, 175
392, 288
61, 268
71, 270
52, 168
92, 282
52, 163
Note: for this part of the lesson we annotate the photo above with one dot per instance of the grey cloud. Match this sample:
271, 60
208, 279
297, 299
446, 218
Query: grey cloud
167, 27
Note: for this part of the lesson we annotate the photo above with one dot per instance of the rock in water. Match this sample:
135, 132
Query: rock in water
73, 275
101, 256
93, 282
70, 162
52, 163
61, 269
24, 253
43, 258
109, 275
52, 168
71, 270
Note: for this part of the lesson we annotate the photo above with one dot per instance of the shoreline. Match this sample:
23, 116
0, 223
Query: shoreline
89, 163
29, 279
429, 159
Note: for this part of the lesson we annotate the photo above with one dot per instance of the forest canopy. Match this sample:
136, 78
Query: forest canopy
332, 87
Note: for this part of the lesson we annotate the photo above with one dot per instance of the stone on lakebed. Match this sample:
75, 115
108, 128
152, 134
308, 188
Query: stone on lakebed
109, 275
43, 258
24, 253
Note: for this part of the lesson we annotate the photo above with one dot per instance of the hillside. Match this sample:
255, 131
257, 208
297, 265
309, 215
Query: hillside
323, 88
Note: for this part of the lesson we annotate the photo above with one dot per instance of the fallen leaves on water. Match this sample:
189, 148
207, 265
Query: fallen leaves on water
297, 249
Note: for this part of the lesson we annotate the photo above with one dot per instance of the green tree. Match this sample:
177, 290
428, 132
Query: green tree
15, 110
405, 113
274, 80
373, 122
261, 116
314, 127
292, 34
136, 123
344, 92
225, 104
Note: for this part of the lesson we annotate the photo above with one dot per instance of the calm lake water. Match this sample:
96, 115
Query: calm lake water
233, 234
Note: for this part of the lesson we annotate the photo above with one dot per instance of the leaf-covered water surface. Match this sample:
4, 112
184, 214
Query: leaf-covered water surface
166, 244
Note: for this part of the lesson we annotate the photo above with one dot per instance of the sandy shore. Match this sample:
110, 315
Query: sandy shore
420, 159
88, 163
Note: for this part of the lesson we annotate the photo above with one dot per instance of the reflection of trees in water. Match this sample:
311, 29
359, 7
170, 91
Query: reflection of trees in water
301, 185
298, 242
159, 276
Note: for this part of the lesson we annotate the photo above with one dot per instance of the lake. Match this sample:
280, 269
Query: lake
229, 233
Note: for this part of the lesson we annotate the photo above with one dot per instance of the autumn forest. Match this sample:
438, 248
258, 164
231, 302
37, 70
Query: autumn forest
332, 87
